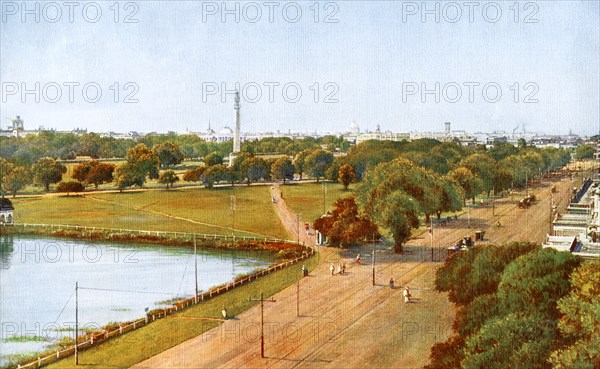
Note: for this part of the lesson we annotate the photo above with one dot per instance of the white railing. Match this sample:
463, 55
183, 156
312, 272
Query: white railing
153, 233
99, 337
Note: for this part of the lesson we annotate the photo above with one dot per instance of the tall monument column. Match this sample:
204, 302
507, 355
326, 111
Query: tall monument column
236, 137
236, 133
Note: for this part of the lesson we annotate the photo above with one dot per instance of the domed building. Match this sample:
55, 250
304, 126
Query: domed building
354, 129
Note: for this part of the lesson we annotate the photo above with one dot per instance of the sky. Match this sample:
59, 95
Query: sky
158, 66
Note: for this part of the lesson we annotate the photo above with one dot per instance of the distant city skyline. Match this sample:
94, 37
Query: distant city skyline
301, 67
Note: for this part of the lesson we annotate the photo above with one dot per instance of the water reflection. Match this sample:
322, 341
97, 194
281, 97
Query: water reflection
38, 276
6, 251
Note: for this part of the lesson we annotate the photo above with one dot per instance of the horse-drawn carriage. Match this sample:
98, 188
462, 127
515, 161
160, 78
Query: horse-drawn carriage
526, 202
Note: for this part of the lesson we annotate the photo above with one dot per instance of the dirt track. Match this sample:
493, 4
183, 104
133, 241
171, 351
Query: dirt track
344, 321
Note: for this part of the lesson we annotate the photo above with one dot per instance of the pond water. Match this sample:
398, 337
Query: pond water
117, 282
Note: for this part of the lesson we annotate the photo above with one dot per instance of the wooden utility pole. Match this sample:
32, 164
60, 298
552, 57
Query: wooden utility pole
298, 224
431, 235
262, 322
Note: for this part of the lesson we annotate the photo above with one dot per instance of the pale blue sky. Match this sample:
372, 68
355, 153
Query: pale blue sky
366, 56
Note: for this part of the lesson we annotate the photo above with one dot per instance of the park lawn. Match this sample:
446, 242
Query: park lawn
150, 210
306, 199
254, 210
139, 345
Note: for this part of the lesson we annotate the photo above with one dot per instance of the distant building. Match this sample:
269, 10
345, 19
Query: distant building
578, 230
6, 211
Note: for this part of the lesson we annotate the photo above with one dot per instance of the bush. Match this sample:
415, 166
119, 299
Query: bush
71, 186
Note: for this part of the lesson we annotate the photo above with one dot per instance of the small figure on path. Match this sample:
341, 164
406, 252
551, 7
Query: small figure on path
406, 295
340, 269
357, 260
307, 227
304, 271
274, 199
332, 268
344, 268
224, 312
392, 283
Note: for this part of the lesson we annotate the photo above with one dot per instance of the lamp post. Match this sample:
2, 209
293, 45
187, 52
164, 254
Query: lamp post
195, 271
298, 298
324, 192
76, 321
373, 260
233, 209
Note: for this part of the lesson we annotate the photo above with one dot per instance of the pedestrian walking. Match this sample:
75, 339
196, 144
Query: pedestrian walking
304, 271
340, 269
406, 295
332, 268
392, 283
357, 260
344, 268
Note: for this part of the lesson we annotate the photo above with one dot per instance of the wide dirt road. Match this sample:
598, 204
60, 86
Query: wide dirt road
345, 321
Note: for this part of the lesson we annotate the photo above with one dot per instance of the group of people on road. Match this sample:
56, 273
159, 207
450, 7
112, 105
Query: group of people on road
341, 268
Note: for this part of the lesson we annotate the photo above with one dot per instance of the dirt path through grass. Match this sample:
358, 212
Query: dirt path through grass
144, 209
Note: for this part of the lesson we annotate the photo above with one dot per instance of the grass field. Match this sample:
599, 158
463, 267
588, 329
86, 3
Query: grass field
178, 210
136, 346
307, 199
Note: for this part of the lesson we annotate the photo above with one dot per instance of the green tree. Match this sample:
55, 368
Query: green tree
483, 167
470, 184
585, 152
394, 194
317, 162
282, 169
127, 175
168, 177
47, 171
5, 168
143, 163
15, 180
89, 145
214, 158
168, 154
214, 174
535, 281
449, 195
580, 320
254, 168
299, 162
346, 175
514, 341
333, 170
478, 272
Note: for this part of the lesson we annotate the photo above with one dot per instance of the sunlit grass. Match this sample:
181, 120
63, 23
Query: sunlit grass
208, 211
